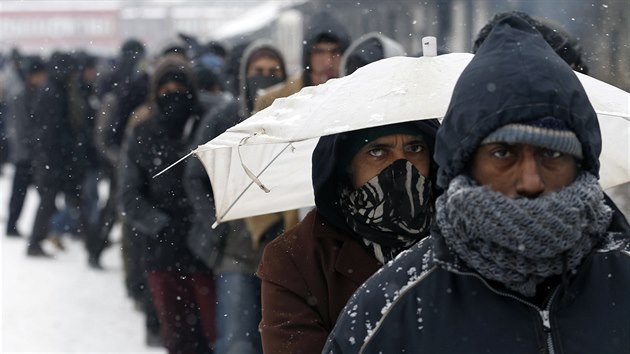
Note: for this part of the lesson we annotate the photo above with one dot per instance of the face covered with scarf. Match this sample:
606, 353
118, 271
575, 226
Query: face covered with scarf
525, 211
387, 199
174, 100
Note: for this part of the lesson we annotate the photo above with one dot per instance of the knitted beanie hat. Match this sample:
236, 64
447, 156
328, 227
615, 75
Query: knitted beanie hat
547, 132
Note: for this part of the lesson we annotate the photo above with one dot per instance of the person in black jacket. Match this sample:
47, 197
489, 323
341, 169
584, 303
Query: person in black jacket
527, 253
158, 210
59, 162
21, 137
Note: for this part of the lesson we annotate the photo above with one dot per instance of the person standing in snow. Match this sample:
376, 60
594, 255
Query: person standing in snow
374, 197
527, 255
21, 139
58, 160
182, 287
326, 39
228, 249
122, 92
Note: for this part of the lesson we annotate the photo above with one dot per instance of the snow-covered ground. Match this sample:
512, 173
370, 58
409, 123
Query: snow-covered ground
60, 305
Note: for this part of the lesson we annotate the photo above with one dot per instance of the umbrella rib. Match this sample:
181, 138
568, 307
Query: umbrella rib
173, 164
254, 180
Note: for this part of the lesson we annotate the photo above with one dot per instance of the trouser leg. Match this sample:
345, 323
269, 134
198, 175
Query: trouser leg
45, 211
21, 180
178, 312
238, 314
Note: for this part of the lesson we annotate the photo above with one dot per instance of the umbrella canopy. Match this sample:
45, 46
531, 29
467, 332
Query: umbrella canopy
263, 164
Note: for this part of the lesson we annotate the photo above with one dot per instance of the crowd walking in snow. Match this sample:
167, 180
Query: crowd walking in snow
487, 231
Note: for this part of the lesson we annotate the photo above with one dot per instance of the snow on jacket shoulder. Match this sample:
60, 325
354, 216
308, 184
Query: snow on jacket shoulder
414, 304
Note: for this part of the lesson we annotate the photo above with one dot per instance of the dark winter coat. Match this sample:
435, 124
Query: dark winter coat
414, 304
57, 161
20, 124
428, 301
157, 208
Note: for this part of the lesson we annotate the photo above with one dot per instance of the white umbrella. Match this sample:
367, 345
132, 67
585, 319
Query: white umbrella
272, 149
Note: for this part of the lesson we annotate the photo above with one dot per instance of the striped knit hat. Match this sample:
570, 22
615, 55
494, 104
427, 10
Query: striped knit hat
548, 132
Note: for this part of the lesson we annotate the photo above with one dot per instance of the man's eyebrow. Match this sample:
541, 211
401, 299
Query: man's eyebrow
373, 145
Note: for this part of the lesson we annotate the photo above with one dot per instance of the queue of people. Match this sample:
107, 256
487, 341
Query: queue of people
452, 238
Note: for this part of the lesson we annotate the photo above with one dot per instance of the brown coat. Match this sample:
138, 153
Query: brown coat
308, 274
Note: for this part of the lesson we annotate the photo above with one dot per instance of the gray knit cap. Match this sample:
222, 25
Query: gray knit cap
548, 132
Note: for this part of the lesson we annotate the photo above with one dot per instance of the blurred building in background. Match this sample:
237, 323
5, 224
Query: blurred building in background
40, 26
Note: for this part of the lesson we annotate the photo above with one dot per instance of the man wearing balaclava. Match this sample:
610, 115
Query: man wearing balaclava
181, 285
527, 255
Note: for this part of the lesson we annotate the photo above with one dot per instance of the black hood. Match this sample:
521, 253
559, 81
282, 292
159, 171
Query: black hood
514, 77
326, 176
322, 24
173, 63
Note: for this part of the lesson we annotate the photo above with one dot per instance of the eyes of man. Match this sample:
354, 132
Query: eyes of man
380, 150
263, 71
505, 151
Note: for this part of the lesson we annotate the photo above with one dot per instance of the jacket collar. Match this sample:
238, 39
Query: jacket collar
353, 260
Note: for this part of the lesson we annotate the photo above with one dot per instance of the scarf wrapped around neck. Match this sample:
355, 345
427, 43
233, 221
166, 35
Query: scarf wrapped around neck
520, 242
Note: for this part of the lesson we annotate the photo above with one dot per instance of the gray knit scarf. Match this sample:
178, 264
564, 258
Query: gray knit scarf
521, 242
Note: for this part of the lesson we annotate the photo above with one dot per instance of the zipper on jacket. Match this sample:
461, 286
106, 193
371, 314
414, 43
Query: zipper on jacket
544, 313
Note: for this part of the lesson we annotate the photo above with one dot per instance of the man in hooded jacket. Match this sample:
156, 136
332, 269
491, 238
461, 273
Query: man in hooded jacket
157, 209
374, 195
527, 255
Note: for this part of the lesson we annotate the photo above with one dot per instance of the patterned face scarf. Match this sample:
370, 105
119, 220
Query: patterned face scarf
391, 211
521, 242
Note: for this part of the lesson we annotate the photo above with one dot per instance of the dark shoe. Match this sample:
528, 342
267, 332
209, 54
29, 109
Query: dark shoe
13, 232
153, 339
36, 250
94, 263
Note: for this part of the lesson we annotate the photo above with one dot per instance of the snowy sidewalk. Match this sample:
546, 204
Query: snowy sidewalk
60, 305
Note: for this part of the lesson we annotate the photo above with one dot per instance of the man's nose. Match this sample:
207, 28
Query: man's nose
397, 154
529, 183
